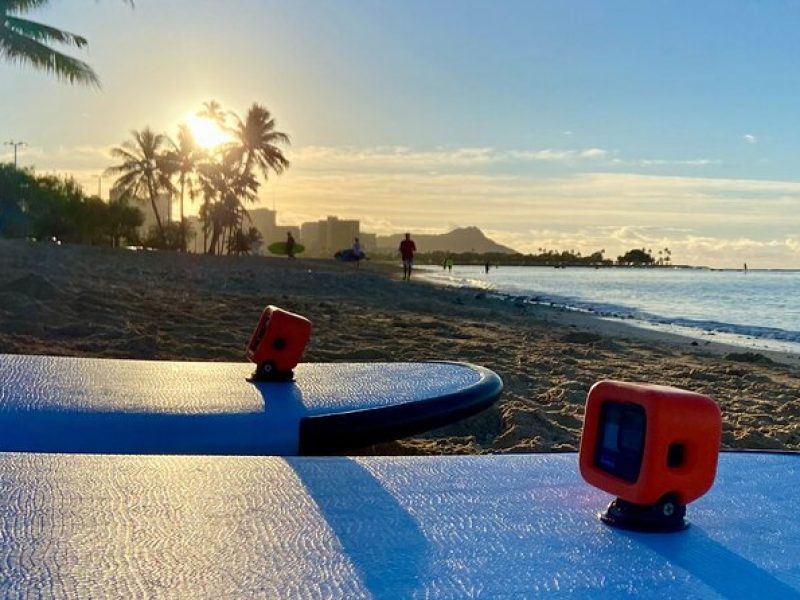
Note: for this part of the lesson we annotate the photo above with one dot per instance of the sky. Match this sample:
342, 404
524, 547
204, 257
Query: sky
551, 124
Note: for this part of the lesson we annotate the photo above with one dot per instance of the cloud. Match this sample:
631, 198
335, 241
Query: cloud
749, 138
64, 158
615, 211
716, 221
659, 162
685, 248
400, 157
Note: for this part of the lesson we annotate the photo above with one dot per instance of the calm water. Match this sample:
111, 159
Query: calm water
760, 309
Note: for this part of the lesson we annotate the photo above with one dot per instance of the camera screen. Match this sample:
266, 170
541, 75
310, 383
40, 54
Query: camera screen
620, 443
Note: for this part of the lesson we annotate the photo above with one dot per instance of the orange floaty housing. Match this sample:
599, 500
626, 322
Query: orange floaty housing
278, 342
644, 442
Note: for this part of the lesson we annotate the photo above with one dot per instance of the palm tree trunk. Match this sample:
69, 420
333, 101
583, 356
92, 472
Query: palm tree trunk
215, 233
152, 191
205, 226
183, 224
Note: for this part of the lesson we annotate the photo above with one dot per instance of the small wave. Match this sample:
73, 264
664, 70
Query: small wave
692, 327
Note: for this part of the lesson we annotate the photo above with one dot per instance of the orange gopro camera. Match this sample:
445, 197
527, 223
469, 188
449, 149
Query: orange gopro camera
654, 447
277, 344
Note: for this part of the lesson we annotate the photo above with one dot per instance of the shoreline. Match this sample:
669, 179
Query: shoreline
90, 301
632, 327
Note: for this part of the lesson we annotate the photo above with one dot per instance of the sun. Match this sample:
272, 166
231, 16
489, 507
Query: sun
205, 132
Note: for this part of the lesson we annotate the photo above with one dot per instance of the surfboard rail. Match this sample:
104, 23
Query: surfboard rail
69, 404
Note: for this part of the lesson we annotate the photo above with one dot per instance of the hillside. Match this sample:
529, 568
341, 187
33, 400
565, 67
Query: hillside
463, 239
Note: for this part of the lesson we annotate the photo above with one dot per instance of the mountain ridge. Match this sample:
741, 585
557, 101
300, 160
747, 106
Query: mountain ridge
461, 239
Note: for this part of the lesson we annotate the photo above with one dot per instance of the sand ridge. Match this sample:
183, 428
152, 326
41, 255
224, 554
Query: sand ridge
87, 301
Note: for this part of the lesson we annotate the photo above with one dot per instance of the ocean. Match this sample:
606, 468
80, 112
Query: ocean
758, 310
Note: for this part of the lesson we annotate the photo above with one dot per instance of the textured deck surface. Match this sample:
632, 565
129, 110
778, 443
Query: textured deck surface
444, 527
125, 406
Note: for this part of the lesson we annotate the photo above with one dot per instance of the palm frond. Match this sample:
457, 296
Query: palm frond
21, 6
18, 48
124, 153
43, 33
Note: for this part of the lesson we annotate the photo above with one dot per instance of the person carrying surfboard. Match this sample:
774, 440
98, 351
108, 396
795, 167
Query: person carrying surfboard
358, 253
407, 249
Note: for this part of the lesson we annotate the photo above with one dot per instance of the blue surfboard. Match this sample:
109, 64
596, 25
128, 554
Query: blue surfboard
522, 526
61, 404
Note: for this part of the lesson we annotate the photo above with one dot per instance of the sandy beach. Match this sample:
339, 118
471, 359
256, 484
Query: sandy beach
99, 302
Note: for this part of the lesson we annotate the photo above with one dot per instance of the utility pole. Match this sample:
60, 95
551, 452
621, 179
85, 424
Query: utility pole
15, 145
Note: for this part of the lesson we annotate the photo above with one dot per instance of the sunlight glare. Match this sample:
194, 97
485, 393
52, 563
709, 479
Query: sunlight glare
205, 132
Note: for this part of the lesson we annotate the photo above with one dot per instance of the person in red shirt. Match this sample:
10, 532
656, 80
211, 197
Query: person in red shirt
407, 249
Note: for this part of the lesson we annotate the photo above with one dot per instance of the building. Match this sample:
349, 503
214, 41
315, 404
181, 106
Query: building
195, 241
326, 237
162, 204
369, 241
310, 236
263, 219
341, 233
143, 204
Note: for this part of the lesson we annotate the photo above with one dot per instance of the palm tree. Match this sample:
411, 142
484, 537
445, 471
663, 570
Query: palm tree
182, 160
25, 41
225, 190
212, 110
257, 143
255, 147
144, 169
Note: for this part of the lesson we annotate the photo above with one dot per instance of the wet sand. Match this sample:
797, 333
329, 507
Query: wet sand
85, 301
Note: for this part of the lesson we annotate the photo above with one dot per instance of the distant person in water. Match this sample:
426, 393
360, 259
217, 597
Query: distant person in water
745, 268
449, 264
487, 266
289, 244
407, 249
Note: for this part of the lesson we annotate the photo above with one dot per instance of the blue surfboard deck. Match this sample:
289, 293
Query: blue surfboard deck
521, 526
62, 404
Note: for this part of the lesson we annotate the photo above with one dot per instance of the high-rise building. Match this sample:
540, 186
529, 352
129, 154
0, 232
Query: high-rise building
369, 241
328, 236
263, 219
341, 233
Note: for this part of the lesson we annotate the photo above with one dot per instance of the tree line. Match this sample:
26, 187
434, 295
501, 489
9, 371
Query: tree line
48, 206
225, 177
544, 258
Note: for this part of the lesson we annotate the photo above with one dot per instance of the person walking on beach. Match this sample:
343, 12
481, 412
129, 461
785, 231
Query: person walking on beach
358, 254
407, 249
289, 244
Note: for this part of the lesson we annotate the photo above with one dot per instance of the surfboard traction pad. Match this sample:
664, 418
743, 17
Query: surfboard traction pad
160, 407
516, 526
